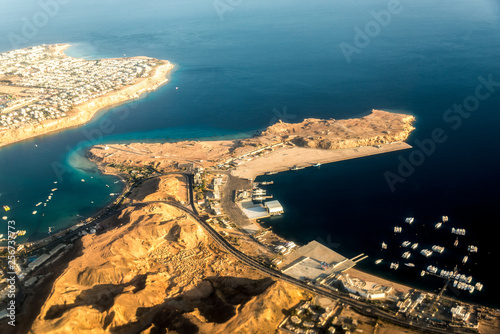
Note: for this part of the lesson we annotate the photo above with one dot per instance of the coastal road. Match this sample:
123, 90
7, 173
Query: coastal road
360, 306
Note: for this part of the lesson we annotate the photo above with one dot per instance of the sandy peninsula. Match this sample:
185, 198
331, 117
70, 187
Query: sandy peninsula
276, 148
61, 96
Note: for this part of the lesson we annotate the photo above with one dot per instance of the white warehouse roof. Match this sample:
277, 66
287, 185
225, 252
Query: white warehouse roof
273, 206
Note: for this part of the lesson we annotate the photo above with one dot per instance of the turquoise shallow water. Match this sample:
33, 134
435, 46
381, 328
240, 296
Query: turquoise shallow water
267, 60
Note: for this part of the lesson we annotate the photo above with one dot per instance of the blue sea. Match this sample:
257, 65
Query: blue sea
242, 65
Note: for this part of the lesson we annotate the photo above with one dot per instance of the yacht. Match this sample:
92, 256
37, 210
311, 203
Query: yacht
410, 265
378, 261
394, 265
406, 243
426, 252
464, 260
438, 225
384, 245
432, 269
409, 220
414, 246
438, 249
472, 249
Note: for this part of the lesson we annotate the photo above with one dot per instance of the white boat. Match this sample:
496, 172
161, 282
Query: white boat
317, 165
438, 249
410, 265
4, 217
438, 225
455, 243
409, 220
458, 231
479, 286
394, 265
406, 255
384, 245
426, 252
464, 260
472, 249
398, 229
444, 219
406, 243
422, 273
414, 246
34, 212
432, 269
82, 180
39, 204
378, 261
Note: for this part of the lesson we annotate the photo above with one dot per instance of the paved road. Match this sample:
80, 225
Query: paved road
360, 306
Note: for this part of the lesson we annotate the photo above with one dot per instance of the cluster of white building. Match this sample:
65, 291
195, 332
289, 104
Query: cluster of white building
307, 320
55, 83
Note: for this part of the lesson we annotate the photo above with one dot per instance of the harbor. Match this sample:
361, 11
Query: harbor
436, 251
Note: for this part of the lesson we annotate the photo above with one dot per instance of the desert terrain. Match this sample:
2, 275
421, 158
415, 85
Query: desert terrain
278, 147
155, 269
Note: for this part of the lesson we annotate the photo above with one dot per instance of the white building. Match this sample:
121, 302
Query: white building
274, 208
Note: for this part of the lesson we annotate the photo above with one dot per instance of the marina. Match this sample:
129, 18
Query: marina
435, 260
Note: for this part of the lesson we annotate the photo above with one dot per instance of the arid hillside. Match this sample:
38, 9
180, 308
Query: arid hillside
377, 128
155, 270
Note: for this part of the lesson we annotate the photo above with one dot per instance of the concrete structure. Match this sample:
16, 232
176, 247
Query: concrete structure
274, 208
253, 211
38, 262
306, 262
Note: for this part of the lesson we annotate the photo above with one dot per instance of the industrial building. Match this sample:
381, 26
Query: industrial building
274, 208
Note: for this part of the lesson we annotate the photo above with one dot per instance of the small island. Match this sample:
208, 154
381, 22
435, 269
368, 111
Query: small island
43, 90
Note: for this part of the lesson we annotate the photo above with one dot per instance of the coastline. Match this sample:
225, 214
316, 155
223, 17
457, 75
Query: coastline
246, 160
84, 112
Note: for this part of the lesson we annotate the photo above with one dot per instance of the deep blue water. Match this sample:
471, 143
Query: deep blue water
282, 59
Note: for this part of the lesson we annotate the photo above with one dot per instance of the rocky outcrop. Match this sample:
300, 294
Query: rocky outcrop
379, 127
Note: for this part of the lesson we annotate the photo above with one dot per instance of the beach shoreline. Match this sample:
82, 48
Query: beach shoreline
83, 113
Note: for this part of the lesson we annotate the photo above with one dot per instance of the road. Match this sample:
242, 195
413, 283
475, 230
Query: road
358, 305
